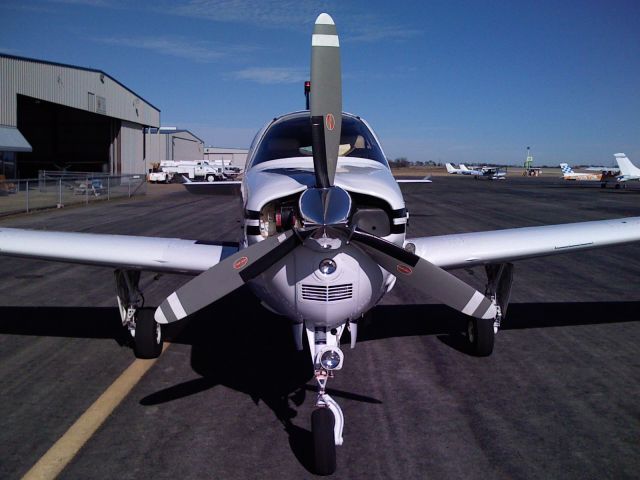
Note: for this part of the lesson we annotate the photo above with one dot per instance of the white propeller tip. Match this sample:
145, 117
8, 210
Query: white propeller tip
491, 312
159, 316
324, 19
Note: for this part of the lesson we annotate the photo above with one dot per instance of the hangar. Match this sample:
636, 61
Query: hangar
236, 157
171, 143
63, 117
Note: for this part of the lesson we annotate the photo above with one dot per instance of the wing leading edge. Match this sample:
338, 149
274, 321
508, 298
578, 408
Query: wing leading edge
498, 246
154, 254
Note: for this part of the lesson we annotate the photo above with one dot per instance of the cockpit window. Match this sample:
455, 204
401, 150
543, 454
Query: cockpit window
292, 138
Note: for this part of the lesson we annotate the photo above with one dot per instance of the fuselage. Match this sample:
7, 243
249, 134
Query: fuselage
279, 169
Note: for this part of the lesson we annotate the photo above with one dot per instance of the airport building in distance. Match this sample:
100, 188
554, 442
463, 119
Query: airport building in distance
63, 117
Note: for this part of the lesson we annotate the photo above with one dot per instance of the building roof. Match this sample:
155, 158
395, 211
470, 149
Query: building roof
76, 67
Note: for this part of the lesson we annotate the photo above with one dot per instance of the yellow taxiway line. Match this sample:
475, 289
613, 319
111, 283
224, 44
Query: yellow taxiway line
63, 451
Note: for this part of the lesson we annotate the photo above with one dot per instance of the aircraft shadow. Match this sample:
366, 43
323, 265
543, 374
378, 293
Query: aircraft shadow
239, 344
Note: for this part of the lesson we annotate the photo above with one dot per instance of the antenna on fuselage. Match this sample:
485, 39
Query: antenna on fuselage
307, 89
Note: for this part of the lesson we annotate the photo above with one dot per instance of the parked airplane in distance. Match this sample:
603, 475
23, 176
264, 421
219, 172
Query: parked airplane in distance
604, 176
457, 171
492, 173
627, 169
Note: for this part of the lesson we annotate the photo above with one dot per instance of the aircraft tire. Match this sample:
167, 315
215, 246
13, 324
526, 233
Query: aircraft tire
480, 336
148, 337
324, 446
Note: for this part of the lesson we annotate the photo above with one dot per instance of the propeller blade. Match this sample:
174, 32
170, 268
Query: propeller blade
225, 277
326, 99
426, 277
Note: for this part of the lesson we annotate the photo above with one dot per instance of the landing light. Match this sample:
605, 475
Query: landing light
331, 358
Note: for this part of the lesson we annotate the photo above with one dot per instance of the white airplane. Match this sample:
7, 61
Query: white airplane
492, 173
605, 175
628, 170
324, 241
456, 171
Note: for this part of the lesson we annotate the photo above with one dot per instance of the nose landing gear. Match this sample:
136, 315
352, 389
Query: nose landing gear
327, 420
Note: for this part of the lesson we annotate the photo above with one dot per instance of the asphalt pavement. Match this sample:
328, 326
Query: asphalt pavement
231, 398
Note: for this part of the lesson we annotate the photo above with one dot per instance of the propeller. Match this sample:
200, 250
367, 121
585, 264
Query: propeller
326, 99
425, 276
226, 276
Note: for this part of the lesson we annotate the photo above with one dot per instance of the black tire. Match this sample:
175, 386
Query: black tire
148, 337
211, 178
324, 445
480, 336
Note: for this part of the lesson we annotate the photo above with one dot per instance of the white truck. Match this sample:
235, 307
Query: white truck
194, 169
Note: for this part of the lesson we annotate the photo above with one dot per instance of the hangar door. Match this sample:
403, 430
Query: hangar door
63, 138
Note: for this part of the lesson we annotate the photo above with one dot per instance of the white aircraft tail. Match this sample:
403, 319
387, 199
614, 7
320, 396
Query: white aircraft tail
626, 167
566, 169
463, 167
450, 168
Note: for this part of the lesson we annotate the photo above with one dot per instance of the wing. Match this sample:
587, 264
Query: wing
172, 255
499, 246
228, 187
413, 186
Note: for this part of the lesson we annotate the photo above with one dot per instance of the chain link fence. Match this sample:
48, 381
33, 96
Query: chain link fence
59, 189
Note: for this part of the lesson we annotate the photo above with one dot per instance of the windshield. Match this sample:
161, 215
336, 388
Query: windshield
291, 137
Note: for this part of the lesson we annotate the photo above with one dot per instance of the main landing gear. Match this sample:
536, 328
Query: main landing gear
327, 420
146, 332
481, 332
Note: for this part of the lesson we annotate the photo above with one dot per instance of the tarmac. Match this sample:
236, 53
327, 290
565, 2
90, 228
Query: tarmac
231, 398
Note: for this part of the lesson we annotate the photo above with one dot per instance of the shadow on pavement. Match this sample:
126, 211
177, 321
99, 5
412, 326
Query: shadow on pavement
239, 344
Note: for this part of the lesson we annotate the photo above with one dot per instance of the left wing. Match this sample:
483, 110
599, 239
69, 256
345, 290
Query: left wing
173, 255
500, 246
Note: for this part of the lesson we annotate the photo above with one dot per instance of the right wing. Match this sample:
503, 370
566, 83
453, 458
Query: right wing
500, 246
226, 187
172, 255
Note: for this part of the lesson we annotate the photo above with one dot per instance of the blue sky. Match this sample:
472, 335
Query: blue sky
458, 81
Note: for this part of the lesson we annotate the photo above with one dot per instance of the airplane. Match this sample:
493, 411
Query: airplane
606, 175
325, 238
492, 173
457, 171
628, 170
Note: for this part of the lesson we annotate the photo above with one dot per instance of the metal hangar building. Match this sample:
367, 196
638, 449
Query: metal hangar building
63, 117
171, 143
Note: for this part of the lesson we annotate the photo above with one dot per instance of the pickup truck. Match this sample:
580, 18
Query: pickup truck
160, 177
193, 169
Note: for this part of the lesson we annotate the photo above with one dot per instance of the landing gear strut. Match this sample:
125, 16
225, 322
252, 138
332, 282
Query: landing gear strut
327, 420
146, 332
480, 331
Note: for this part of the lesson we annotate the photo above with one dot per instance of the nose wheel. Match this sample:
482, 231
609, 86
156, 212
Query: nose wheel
324, 446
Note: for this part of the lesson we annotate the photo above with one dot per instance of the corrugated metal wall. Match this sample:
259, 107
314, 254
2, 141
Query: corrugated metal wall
237, 156
71, 87
131, 150
186, 147
168, 145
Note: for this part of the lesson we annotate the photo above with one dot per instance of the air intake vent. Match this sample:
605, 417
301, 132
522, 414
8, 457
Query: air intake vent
331, 293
